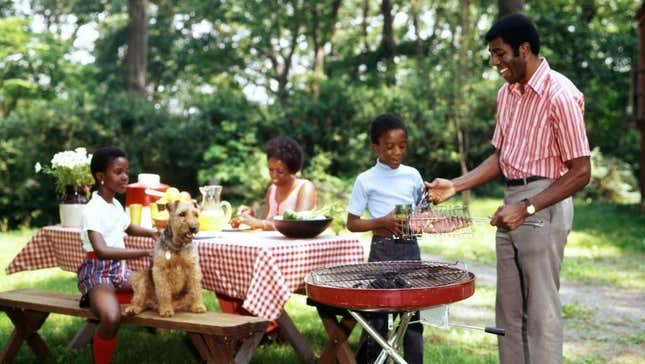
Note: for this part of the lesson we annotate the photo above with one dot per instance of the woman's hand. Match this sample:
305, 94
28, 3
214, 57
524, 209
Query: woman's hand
154, 234
245, 210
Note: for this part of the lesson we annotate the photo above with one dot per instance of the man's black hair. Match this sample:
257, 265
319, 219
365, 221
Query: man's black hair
384, 123
515, 29
102, 157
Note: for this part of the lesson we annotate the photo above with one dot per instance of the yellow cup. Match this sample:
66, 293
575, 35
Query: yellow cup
153, 212
135, 213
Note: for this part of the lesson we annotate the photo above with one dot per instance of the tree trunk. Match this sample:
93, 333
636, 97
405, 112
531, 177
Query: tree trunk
387, 41
319, 53
322, 32
461, 106
137, 52
364, 25
414, 9
507, 7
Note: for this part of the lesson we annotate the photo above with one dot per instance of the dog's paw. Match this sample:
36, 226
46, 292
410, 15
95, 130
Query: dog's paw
133, 310
199, 308
166, 312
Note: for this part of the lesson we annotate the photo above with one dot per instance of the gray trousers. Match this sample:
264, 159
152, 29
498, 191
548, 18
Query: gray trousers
529, 260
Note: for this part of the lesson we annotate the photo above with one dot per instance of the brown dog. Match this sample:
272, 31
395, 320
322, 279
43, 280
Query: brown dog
173, 281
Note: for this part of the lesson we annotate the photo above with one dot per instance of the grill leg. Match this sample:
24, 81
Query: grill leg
396, 336
375, 335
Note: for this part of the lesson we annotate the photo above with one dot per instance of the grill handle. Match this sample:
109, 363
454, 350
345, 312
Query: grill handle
488, 329
495, 330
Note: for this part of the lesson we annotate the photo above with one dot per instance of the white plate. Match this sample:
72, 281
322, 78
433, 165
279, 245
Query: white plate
207, 235
229, 228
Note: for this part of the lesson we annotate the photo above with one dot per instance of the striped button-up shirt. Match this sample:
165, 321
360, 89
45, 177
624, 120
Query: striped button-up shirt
541, 128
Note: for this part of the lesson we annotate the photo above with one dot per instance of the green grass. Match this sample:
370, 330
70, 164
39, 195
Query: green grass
606, 246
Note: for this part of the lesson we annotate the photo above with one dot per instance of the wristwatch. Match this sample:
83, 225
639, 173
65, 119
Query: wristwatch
530, 209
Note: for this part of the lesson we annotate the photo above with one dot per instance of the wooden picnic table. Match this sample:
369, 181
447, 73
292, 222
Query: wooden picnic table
261, 268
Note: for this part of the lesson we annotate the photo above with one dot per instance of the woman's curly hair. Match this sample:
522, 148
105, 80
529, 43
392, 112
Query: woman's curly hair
287, 150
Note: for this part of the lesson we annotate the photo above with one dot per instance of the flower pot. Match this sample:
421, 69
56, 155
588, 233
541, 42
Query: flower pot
72, 205
70, 214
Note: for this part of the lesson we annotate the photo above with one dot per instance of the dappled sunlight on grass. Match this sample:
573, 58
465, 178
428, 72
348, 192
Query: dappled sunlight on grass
578, 352
626, 272
458, 345
582, 242
590, 258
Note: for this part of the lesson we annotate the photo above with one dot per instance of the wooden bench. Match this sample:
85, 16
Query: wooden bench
215, 335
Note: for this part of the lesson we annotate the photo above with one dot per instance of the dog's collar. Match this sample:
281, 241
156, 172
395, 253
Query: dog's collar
168, 240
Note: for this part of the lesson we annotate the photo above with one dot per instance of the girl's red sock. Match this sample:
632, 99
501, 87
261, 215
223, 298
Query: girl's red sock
124, 297
103, 348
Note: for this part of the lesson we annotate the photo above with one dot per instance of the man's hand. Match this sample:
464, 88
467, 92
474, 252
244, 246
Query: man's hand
509, 216
440, 189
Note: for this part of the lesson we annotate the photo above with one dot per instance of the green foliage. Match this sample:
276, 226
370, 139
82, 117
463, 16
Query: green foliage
594, 44
34, 132
611, 179
241, 167
333, 192
200, 124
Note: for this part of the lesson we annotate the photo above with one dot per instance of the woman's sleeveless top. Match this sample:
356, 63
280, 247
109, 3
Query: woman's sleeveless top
289, 203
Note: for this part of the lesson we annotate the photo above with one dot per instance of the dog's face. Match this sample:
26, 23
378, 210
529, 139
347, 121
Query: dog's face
184, 221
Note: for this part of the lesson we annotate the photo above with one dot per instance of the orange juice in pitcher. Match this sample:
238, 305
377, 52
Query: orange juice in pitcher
214, 213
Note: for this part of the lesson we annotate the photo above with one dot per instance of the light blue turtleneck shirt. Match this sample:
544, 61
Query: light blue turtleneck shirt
380, 188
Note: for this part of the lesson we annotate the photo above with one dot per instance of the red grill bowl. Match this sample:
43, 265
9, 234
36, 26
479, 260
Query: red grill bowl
301, 228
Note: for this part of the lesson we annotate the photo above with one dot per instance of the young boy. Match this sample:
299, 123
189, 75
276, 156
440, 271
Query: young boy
379, 190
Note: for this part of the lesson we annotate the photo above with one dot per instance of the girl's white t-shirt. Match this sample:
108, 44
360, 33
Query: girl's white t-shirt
108, 219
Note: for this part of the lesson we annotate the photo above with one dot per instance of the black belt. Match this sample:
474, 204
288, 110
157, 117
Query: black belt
522, 181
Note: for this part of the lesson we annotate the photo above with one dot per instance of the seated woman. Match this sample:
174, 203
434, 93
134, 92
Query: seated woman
287, 191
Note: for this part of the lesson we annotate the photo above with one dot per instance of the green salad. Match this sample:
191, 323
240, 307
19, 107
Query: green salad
317, 214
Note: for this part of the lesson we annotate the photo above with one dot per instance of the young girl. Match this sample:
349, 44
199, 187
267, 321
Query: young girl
102, 275
287, 191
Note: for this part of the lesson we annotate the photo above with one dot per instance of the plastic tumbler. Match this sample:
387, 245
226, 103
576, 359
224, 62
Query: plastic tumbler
135, 213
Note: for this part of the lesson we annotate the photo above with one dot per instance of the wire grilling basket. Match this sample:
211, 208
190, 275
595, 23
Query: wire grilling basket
442, 220
453, 220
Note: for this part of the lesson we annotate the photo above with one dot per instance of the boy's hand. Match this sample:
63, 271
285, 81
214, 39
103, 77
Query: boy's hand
440, 190
392, 224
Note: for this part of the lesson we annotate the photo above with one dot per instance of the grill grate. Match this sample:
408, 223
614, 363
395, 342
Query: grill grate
395, 274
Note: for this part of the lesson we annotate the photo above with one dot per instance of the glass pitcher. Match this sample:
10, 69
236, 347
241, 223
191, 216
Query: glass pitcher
214, 213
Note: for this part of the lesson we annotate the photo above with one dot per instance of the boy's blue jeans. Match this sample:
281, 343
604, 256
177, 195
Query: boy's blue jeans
387, 249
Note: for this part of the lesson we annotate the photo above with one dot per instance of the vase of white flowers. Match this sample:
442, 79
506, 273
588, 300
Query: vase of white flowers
73, 178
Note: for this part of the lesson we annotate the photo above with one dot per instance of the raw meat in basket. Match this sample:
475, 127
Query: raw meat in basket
433, 222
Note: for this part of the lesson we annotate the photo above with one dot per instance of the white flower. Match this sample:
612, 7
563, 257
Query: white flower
71, 159
69, 168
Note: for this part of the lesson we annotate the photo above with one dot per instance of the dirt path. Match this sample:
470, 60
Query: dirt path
608, 324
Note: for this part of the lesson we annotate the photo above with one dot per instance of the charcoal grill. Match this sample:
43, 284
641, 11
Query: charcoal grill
389, 287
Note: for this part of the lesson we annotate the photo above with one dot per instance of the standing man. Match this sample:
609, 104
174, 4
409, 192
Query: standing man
542, 151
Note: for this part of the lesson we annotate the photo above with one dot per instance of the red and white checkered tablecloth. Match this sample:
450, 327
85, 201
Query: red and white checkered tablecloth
261, 268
